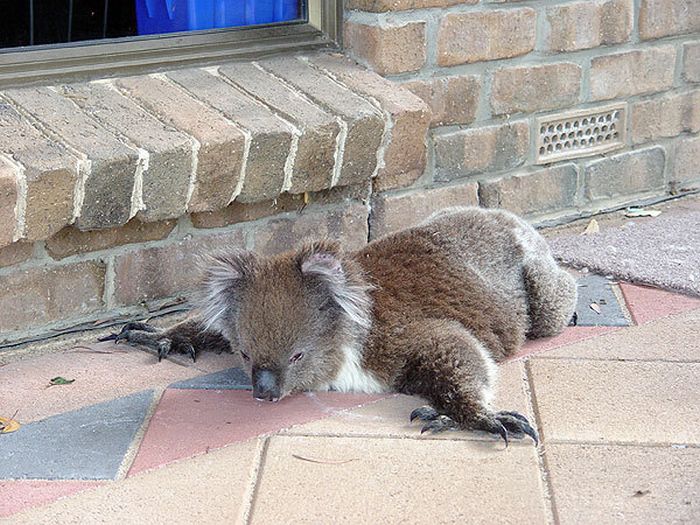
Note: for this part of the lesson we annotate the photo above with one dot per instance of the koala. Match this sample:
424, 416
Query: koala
427, 311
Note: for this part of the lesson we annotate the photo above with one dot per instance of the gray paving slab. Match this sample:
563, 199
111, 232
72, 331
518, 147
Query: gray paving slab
89, 443
229, 379
596, 289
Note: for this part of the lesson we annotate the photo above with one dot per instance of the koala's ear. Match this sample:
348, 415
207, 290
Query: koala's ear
324, 262
224, 274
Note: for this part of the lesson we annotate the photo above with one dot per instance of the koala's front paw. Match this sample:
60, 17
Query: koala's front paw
153, 339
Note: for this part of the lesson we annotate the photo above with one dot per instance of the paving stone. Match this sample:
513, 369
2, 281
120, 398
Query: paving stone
23, 494
102, 371
166, 178
221, 143
597, 289
594, 484
648, 304
389, 417
216, 418
271, 136
397, 481
631, 402
405, 155
570, 335
92, 441
229, 379
109, 184
50, 173
315, 156
669, 339
212, 488
365, 126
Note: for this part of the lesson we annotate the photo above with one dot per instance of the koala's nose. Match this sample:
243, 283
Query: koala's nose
265, 385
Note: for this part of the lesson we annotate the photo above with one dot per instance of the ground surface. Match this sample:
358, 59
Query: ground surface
616, 401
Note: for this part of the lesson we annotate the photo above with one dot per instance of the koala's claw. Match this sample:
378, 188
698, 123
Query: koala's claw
424, 413
440, 424
164, 346
517, 425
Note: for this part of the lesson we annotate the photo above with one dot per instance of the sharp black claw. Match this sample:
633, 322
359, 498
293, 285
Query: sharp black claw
191, 352
516, 415
503, 431
424, 413
109, 337
574, 320
163, 349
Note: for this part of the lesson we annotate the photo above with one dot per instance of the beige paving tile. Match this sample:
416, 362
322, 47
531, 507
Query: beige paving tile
389, 417
674, 338
600, 484
211, 488
397, 481
642, 402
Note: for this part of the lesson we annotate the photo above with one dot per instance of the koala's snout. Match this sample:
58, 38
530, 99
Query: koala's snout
265, 385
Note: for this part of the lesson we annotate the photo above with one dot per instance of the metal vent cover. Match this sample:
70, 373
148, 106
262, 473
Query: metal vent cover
580, 133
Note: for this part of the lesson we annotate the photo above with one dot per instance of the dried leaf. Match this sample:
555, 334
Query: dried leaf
641, 212
639, 493
591, 228
595, 307
324, 461
8, 425
60, 381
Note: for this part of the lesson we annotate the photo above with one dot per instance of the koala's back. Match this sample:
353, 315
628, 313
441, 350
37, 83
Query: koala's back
463, 264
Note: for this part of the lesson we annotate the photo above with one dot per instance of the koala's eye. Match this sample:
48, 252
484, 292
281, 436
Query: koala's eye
245, 356
296, 357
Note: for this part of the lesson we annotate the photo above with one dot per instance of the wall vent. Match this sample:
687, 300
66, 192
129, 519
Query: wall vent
580, 133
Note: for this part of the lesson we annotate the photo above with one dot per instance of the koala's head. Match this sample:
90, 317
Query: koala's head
289, 316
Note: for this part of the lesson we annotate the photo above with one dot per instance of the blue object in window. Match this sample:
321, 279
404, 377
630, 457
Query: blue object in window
169, 16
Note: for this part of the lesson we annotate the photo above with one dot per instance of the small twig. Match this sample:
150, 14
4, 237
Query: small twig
324, 461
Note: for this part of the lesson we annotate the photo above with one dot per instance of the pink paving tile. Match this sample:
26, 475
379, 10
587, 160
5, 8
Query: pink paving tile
22, 494
646, 303
191, 422
101, 371
570, 335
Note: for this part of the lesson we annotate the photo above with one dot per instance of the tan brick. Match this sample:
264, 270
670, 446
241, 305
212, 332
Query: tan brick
109, 185
535, 88
238, 212
665, 116
70, 240
623, 483
314, 160
49, 171
686, 164
691, 61
166, 179
368, 488
365, 123
221, 143
381, 6
271, 136
15, 253
583, 25
391, 213
490, 35
541, 191
632, 72
639, 171
388, 49
593, 401
9, 193
37, 296
405, 155
659, 18
453, 99
483, 149
168, 270
345, 223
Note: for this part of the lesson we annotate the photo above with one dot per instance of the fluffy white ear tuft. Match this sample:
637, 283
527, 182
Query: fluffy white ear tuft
223, 275
350, 294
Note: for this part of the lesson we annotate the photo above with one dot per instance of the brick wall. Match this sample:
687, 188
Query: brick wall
109, 189
489, 69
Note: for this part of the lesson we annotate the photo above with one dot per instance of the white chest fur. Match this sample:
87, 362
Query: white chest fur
352, 377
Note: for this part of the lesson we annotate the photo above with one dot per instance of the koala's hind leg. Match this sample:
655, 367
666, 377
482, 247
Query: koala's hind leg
448, 366
551, 295
188, 337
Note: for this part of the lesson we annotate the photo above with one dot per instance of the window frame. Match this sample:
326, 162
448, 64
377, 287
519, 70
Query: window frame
152, 53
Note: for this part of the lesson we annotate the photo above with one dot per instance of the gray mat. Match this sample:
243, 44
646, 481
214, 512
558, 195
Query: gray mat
664, 251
